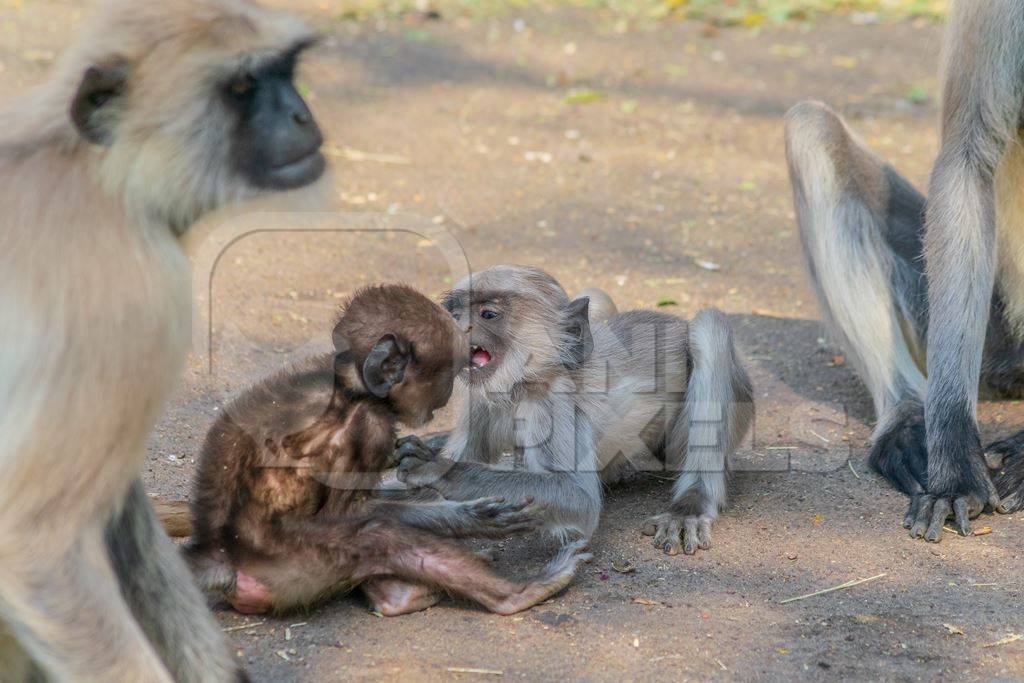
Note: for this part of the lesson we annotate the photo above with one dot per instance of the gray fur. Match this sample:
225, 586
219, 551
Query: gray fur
649, 382
865, 238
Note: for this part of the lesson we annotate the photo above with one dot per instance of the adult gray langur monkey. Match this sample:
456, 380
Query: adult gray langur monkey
578, 405
915, 287
159, 112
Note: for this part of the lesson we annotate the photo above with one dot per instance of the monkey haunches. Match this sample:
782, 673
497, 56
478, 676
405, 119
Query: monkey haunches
283, 510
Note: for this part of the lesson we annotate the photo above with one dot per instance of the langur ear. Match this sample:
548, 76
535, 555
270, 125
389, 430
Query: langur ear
577, 328
384, 367
94, 107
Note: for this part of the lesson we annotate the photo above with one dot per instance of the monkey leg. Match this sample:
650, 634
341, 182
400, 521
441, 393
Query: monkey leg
861, 225
332, 556
715, 416
394, 597
1006, 460
160, 592
455, 570
69, 613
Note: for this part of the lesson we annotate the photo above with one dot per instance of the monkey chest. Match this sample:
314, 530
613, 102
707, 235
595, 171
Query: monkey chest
292, 490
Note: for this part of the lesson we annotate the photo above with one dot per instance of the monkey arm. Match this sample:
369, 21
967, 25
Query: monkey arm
561, 478
480, 518
570, 501
982, 106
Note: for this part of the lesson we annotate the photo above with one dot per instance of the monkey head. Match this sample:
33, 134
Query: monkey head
404, 349
192, 104
522, 326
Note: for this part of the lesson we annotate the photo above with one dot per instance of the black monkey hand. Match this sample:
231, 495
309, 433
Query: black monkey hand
418, 465
962, 489
494, 518
411, 445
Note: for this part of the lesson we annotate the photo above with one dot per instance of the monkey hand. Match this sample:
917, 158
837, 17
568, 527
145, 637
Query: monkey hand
963, 492
415, 446
494, 518
1005, 460
418, 465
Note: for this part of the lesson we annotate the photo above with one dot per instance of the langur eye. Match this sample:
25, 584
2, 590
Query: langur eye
488, 314
241, 87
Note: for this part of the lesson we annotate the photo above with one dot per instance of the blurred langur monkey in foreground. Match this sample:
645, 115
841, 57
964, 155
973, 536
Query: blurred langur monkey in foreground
161, 111
916, 287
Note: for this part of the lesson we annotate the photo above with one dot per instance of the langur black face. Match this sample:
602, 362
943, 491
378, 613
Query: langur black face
277, 141
484, 316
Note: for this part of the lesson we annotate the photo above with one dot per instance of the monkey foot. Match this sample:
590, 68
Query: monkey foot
927, 513
394, 597
673, 532
1005, 460
249, 596
556, 575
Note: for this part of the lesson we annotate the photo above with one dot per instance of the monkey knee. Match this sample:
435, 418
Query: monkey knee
813, 120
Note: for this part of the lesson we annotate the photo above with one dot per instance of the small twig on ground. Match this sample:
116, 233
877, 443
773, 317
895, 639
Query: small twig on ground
242, 627
842, 586
819, 436
850, 465
1010, 638
469, 670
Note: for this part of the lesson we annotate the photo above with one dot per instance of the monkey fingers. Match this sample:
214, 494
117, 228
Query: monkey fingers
416, 472
494, 518
411, 446
927, 514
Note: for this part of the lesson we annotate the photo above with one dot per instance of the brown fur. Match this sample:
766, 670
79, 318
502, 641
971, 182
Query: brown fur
283, 491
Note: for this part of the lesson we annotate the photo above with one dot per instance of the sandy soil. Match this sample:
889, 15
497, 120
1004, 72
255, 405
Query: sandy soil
460, 144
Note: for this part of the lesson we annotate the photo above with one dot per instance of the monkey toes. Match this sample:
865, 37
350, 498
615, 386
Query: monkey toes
673, 532
974, 493
1005, 459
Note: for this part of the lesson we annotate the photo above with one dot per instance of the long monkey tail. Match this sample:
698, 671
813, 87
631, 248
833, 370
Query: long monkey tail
718, 410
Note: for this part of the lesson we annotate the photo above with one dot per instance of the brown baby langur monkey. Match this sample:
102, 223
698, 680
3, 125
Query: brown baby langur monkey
160, 111
284, 510
579, 405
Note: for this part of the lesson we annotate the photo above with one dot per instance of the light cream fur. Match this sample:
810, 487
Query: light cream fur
95, 308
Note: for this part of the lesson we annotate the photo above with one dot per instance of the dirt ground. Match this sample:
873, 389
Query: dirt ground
648, 162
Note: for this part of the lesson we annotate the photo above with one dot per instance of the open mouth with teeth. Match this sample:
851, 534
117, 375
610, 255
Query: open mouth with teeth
479, 357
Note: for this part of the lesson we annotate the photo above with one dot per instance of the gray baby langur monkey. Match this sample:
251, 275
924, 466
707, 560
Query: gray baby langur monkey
578, 405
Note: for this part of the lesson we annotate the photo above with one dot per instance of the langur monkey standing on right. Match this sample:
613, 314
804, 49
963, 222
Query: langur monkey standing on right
917, 288
579, 404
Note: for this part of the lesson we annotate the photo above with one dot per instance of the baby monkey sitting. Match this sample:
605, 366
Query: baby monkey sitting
284, 508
